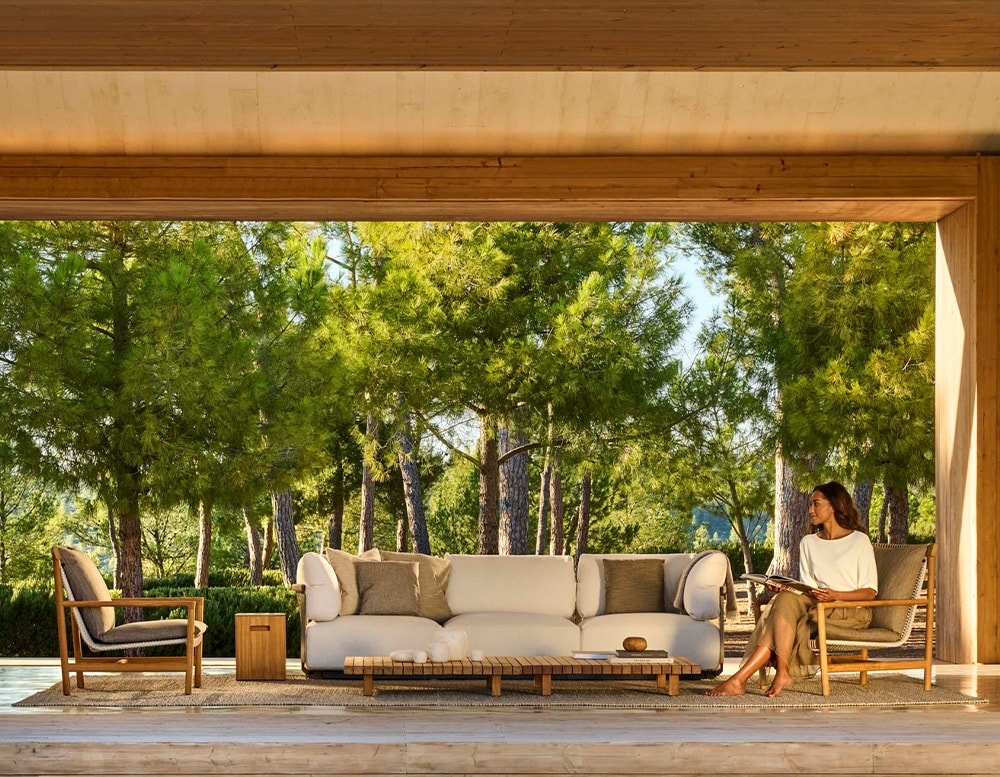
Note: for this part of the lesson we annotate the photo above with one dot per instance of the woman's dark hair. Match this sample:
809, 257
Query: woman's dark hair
844, 510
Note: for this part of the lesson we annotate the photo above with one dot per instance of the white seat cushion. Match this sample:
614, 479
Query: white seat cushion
518, 634
679, 635
328, 643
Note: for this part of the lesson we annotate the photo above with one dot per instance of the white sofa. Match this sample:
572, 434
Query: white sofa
522, 605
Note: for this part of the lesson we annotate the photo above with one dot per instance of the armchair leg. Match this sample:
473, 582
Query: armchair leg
77, 652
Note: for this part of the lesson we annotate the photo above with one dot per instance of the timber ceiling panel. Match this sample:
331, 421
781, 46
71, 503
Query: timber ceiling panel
101, 102
130, 112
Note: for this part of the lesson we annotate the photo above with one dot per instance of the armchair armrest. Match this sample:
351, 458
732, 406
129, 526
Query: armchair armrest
823, 606
157, 601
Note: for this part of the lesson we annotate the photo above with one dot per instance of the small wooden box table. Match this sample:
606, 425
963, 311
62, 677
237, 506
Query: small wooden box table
260, 646
542, 668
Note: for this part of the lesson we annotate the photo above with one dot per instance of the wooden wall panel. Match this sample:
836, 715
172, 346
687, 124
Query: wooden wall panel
987, 233
956, 435
968, 425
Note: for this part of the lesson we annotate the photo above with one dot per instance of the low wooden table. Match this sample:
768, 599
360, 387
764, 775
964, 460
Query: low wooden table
542, 668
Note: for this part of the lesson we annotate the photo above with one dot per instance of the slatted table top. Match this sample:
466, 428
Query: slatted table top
542, 668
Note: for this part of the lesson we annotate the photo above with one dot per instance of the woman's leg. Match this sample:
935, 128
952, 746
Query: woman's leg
783, 633
737, 684
773, 639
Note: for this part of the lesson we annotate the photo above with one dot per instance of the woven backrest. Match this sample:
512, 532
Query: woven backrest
84, 583
901, 573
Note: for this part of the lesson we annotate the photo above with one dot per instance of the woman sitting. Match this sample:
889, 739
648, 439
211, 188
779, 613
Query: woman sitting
837, 560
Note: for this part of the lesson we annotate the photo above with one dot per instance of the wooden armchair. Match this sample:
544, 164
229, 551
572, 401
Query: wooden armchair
81, 590
902, 571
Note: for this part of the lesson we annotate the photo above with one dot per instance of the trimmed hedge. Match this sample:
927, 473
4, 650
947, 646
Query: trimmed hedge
28, 625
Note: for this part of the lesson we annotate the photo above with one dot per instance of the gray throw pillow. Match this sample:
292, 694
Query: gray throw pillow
388, 587
633, 585
433, 577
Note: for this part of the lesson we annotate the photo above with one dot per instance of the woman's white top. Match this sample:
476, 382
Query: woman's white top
844, 564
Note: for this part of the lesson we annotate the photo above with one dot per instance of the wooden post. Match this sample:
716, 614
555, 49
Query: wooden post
968, 425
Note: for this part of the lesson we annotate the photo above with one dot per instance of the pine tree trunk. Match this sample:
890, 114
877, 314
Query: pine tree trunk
583, 519
557, 507
413, 493
897, 514
542, 534
880, 536
366, 529
489, 490
130, 573
284, 530
863, 500
116, 545
268, 542
335, 527
204, 545
790, 510
255, 553
513, 537
402, 535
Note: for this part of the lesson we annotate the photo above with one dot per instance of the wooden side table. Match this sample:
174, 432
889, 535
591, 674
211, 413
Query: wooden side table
260, 646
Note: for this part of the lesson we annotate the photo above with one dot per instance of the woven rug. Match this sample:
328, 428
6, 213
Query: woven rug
223, 690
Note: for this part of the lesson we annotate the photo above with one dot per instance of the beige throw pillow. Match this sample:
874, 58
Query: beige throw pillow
388, 587
343, 566
433, 578
633, 585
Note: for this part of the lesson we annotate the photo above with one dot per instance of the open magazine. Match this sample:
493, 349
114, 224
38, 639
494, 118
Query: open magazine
790, 583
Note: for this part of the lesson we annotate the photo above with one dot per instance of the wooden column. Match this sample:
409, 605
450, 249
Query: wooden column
968, 425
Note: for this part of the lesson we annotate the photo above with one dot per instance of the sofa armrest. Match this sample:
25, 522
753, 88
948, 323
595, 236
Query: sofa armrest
702, 585
317, 588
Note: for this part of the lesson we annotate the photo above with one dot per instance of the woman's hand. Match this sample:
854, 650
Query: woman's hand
824, 595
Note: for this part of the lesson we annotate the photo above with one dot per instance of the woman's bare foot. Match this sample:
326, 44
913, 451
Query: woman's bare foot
781, 681
731, 687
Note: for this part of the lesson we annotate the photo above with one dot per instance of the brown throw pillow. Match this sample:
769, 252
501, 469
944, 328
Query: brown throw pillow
433, 577
633, 585
388, 587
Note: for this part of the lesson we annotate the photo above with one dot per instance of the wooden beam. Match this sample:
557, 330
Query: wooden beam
500, 34
919, 188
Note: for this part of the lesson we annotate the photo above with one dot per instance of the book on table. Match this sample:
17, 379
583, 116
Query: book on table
790, 583
625, 656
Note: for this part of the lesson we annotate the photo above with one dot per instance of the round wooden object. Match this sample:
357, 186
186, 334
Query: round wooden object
634, 644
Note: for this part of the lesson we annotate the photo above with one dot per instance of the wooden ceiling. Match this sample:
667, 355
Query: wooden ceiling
92, 92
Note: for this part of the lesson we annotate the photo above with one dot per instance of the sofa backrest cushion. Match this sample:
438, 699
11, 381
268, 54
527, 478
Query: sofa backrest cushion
323, 595
590, 592
545, 585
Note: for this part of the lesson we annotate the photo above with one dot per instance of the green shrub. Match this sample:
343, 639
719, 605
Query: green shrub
28, 620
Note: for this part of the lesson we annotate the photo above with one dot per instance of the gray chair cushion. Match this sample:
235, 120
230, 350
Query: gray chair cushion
900, 576
151, 631
87, 585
